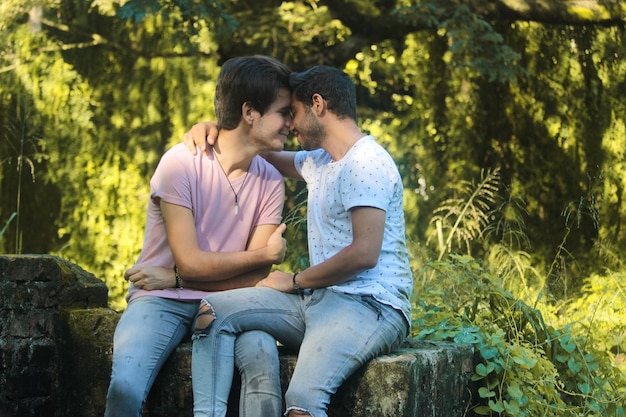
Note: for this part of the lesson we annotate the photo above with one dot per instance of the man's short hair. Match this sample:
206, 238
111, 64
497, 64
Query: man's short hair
334, 85
253, 79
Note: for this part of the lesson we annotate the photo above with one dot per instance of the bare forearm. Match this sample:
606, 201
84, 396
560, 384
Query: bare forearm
148, 277
207, 267
362, 254
248, 279
284, 162
340, 268
265, 247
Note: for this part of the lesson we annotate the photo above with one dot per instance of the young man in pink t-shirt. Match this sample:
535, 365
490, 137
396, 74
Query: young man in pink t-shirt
213, 223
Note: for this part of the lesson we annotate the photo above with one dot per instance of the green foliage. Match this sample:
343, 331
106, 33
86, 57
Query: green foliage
526, 367
475, 46
478, 48
598, 314
464, 218
567, 365
297, 257
300, 33
191, 14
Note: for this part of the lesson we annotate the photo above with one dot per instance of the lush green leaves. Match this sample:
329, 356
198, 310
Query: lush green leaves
526, 368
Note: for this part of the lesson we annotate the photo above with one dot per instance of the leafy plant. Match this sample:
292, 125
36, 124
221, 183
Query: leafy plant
464, 218
526, 367
506, 257
25, 142
598, 315
474, 45
295, 219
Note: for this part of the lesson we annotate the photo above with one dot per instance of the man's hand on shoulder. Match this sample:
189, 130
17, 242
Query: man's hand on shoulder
201, 135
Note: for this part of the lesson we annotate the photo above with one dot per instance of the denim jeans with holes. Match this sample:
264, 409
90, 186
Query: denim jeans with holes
334, 335
148, 332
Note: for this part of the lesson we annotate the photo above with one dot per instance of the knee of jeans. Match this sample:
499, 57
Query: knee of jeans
204, 318
124, 395
256, 350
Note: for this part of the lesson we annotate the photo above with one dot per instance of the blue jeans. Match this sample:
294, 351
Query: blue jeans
148, 332
335, 334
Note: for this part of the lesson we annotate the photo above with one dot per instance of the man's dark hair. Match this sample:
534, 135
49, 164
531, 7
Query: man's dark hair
334, 85
252, 79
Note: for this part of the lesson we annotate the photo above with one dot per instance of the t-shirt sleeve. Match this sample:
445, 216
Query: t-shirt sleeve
272, 209
367, 182
308, 162
273, 194
171, 181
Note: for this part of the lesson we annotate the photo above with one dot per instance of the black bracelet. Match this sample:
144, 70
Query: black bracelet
296, 286
179, 280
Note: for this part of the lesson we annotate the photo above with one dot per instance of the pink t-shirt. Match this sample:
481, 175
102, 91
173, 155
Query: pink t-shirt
198, 183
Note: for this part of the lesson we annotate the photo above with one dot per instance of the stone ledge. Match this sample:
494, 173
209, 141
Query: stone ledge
56, 337
420, 379
425, 379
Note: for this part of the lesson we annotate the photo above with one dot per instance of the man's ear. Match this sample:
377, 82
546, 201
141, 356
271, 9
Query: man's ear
318, 104
247, 113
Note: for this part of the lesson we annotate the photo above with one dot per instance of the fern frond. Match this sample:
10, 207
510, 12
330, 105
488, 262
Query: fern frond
464, 219
508, 226
515, 269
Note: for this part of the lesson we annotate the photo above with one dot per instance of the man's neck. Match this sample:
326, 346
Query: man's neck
233, 152
341, 137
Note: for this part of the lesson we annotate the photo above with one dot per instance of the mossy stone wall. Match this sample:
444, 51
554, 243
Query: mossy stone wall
56, 335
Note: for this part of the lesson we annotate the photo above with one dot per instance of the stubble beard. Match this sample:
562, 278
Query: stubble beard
312, 135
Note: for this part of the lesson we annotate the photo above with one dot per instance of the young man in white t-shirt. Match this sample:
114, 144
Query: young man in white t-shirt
213, 223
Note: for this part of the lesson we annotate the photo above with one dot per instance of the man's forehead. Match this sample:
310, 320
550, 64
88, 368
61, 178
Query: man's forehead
295, 101
283, 98
284, 93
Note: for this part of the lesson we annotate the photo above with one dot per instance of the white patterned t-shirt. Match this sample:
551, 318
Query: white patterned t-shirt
366, 176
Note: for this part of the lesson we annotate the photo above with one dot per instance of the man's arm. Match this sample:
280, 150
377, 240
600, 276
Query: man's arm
204, 134
283, 161
210, 271
155, 278
261, 236
368, 227
147, 277
197, 265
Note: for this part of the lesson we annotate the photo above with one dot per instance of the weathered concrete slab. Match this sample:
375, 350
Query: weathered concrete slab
420, 379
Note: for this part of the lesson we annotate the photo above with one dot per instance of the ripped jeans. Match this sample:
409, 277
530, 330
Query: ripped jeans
148, 332
335, 334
